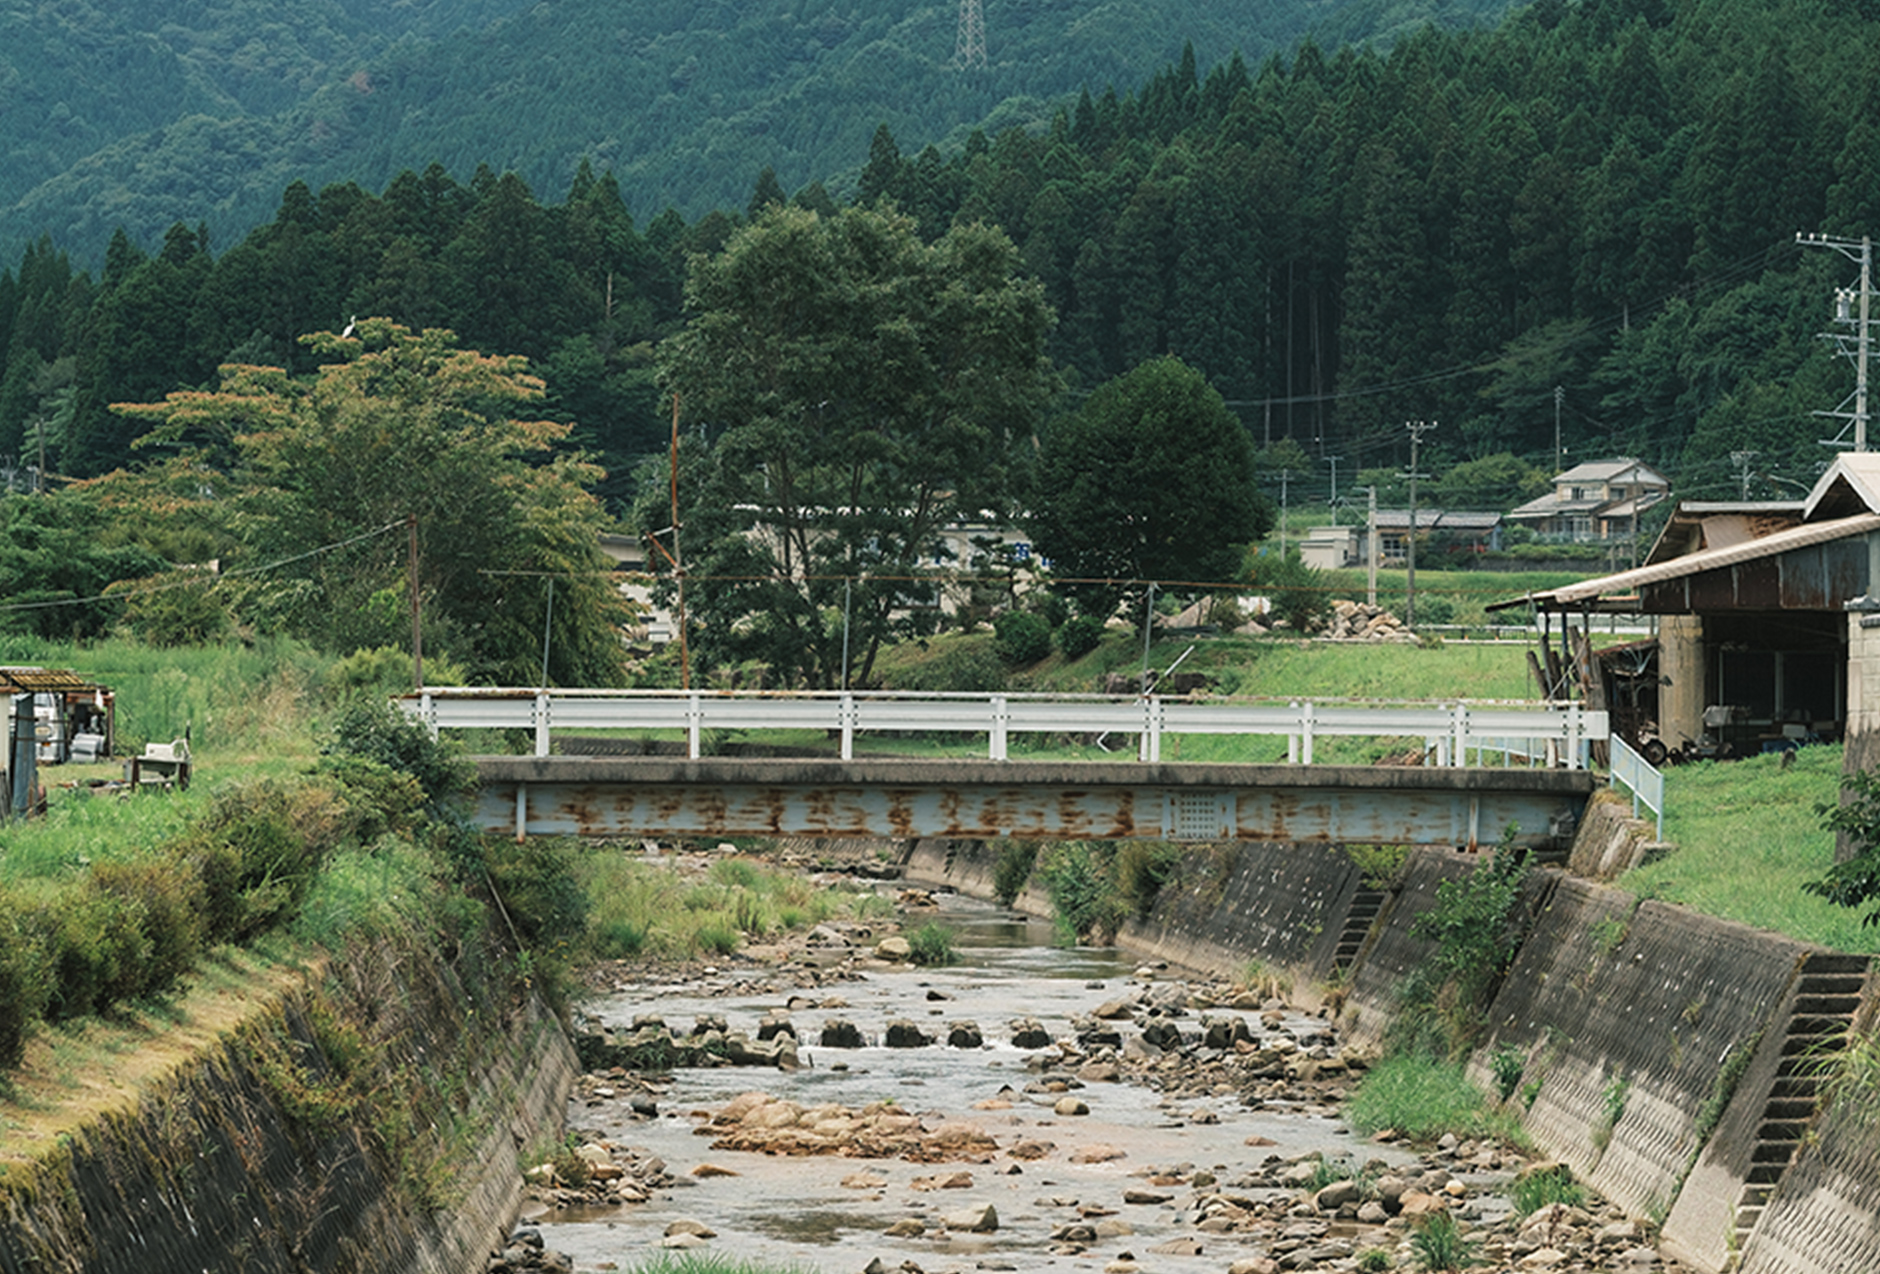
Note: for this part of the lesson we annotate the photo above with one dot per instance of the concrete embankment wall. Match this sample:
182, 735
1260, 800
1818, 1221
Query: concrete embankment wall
232, 1164
1654, 1042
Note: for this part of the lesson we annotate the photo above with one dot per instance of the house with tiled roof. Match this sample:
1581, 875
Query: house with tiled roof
1594, 502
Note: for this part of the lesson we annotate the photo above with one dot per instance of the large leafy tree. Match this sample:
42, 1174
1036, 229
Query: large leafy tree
858, 391
1154, 480
324, 472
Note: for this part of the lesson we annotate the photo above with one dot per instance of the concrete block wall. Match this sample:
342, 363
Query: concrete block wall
1279, 904
1393, 953
1634, 1007
1609, 841
210, 1173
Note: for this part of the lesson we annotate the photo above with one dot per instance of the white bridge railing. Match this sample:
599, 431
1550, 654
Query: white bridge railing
1530, 734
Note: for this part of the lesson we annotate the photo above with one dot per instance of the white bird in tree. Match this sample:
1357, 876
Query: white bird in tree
349, 327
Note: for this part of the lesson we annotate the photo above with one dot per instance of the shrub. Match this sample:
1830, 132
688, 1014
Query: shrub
535, 883
166, 900
1435, 609
1050, 607
258, 849
931, 944
175, 608
1142, 868
968, 665
1012, 868
1079, 635
25, 980
374, 729
1021, 638
95, 945
1552, 1184
1475, 927
1301, 594
1507, 1065
1439, 1244
1084, 900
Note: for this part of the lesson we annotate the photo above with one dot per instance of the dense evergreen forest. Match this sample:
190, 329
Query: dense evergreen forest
1600, 197
131, 116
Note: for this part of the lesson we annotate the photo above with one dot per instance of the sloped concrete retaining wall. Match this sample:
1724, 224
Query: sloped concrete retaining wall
210, 1172
1627, 1016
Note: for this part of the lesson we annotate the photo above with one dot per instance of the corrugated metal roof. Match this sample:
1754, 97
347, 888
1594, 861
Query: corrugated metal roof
40, 681
1854, 477
1707, 560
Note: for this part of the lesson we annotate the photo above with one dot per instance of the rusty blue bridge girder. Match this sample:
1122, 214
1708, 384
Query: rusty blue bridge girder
676, 797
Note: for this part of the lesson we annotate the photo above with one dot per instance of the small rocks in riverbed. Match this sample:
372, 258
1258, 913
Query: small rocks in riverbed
1071, 1106
1096, 1152
686, 1225
896, 948
974, 1220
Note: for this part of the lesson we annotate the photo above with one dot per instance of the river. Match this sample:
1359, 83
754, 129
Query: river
796, 1212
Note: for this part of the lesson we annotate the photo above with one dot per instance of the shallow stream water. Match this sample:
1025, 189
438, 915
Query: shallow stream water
796, 1212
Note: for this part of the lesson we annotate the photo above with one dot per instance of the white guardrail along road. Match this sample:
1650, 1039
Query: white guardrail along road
1558, 734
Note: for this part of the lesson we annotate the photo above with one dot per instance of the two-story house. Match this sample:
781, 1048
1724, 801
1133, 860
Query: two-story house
1596, 501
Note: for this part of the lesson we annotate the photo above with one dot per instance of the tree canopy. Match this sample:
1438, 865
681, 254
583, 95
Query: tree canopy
849, 393
1152, 480
323, 471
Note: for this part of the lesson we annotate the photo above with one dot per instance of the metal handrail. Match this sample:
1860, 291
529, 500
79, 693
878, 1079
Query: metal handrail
1559, 733
1644, 780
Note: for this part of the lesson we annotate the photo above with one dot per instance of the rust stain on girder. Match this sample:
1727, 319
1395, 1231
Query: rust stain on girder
1265, 803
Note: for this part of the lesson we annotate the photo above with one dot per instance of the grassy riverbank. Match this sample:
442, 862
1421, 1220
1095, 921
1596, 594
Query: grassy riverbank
1748, 836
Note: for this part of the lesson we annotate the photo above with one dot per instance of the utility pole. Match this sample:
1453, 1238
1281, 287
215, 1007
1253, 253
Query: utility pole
1333, 500
1559, 397
1857, 346
1417, 429
1741, 460
417, 602
1284, 505
1370, 547
969, 47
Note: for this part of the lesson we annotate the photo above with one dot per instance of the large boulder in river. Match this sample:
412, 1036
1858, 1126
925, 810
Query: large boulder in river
903, 1033
1163, 1034
1223, 1031
1028, 1032
839, 1032
964, 1035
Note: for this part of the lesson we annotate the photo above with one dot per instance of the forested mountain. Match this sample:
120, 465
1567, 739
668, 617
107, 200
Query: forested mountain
1598, 198
135, 116
79, 76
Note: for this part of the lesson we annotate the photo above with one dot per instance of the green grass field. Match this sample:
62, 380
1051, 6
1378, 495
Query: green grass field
1748, 837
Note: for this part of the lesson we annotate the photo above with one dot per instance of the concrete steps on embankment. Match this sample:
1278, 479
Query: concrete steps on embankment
1827, 998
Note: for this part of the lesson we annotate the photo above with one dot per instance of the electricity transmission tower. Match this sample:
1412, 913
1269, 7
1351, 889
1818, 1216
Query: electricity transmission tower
969, 48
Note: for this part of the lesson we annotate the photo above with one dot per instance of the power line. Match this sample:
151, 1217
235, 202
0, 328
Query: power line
140, 588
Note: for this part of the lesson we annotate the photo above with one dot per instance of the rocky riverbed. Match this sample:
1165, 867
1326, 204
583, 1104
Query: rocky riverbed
840, 1110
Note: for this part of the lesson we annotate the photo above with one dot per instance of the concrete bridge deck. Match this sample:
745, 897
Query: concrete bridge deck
669, 796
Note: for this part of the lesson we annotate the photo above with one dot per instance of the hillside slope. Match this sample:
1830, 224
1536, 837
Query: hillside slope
213, 106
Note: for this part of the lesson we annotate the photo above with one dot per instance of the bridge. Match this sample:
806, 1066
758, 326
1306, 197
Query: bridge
1529, 769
